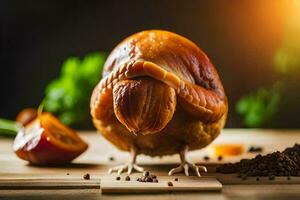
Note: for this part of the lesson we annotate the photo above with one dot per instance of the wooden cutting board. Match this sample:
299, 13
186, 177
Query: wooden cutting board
203, 184
16, 174
48, 184
108, 183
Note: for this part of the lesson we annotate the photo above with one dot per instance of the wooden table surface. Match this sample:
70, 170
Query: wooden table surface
96, 162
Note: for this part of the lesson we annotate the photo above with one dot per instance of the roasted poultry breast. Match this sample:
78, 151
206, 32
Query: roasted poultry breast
159, 95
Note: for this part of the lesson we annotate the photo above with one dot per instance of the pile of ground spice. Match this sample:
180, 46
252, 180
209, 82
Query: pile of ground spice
285, 163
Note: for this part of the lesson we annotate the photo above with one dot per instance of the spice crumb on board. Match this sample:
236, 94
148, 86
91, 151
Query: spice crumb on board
170, 184
220, 158
147, 177
118, 178
86, 176
206, 158
111, 158
127, 178
176, 179
285, 163
255, 149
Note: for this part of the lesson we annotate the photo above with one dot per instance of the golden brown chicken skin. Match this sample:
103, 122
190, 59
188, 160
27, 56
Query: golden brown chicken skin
159, 95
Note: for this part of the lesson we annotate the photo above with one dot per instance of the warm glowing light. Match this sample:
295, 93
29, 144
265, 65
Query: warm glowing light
287, 57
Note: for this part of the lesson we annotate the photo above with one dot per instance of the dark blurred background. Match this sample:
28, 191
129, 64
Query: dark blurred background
242, 38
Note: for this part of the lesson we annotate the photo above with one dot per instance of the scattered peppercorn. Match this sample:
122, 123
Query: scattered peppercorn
118, 178
86, 176
254, 149
176, 179
111, 158
170, 184
127, 178
146, 173
206, 158
220, 158
152, 176
147, 177
68, 174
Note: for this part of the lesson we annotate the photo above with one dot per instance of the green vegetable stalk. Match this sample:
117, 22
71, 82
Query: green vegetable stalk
8, 128
68, 96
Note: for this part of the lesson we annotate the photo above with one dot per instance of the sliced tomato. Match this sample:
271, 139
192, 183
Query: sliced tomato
46, 141
26, 116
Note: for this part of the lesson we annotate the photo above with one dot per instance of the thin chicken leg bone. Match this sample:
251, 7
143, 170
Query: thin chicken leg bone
185, 165
130, 165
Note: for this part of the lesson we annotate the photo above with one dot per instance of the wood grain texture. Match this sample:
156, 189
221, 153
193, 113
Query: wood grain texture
96, 162
203, 184
48, 184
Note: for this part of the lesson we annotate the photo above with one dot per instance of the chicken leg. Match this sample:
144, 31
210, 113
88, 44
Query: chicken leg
186, 164
130, 165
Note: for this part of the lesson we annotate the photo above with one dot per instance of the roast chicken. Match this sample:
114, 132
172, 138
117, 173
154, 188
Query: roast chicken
159, 95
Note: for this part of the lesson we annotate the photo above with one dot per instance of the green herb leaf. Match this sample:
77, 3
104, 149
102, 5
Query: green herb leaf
68, 96
259, 107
